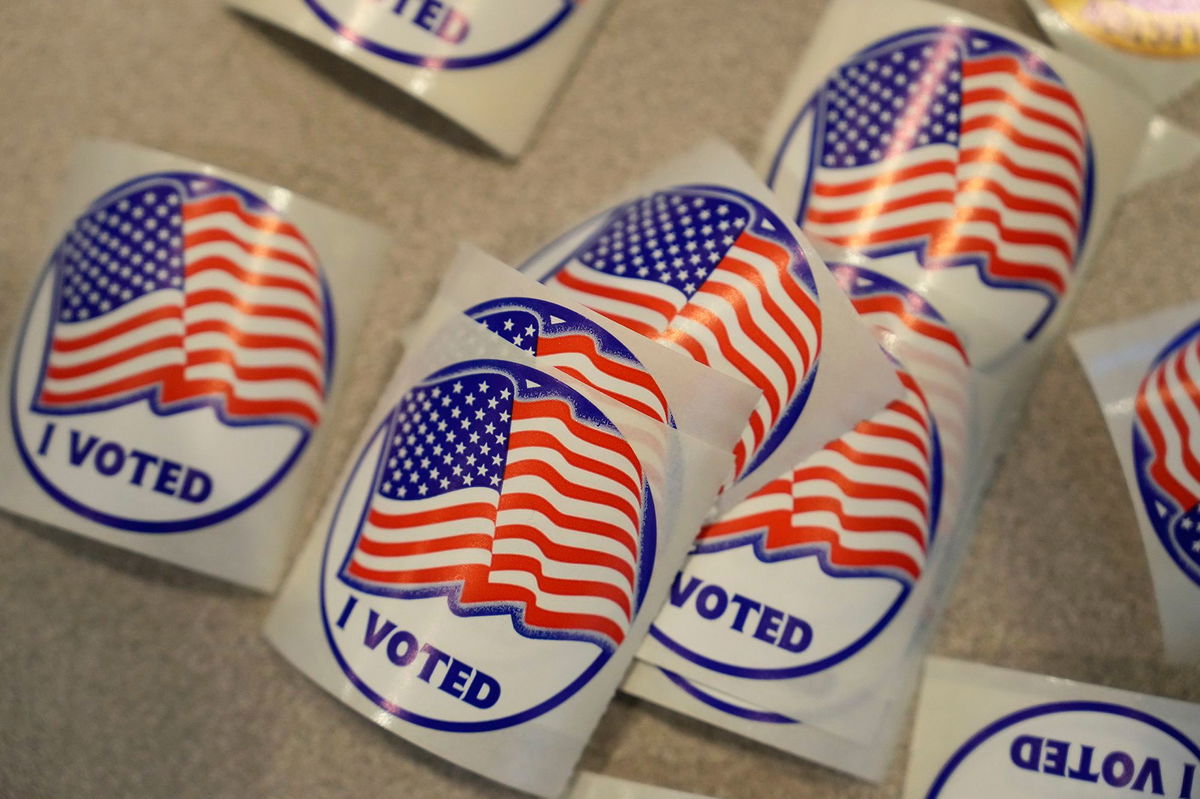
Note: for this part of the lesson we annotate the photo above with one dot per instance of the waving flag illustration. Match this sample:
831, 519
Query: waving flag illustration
1167, 448
871, 501
712, 273
184, 290
565, 340
957, 145
503, 489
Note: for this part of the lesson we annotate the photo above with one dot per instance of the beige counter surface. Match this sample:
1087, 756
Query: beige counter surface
124, 677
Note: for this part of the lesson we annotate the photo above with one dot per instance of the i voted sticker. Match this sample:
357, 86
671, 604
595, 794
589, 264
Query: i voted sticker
1166, 448
176, 356
490, 550
443, 35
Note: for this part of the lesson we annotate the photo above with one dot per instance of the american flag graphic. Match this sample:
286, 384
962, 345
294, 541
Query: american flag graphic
184, 290
564, 340
1167, 420
958, 145
503, 489
871, 501
713, 274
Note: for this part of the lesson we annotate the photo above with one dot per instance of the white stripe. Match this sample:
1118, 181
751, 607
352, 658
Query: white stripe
1008, 84
604, 382
258, 356
256, 295
881, 542
1023, 156
563, 570
132, 338
154, 300
295, 390
223, 220
559, 603
428, 560
253, 325
134, 366
1175, 444
257, 264
606, 305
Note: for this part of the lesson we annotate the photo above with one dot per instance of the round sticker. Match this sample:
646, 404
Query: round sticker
813, 567
713, 274
490, 550
1071, 749
1165, 28
1166, 448
443, 35
175, 358
952, 156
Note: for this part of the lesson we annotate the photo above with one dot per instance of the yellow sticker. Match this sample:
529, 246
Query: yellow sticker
1166, 28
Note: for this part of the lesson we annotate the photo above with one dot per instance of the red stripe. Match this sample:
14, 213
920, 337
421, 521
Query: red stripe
537, 616
563, 486
580, 524
560, 410
991, 94
252, 279
992, 155
891, 304
853, 523
874, 460
451, 513
586, 346
254, 340
867, 491
854, 558
221, 236
149, 378
781, 317
749, 326
206, 296
256, 373
172, 311
424, 546
998, 125
563, 587
127, 354
225, 203
661, 307
881, 207
1013, 67
881, 182
567, 554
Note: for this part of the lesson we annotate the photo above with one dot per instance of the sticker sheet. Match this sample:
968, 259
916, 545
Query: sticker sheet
697, 258
987, 733
963, 160
868, 759
1146, 376
166, 385
508, 526
805, 595
1153, 47
492, 67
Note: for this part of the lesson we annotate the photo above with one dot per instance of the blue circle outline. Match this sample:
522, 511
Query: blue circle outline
1049, 708
432, 62
881, 284
1142, 454
997, 42
392, 708
134, 525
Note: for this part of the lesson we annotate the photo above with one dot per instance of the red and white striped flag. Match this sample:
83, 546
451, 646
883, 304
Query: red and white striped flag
183, 292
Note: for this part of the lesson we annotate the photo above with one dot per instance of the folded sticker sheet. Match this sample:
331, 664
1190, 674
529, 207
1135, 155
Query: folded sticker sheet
967, 162
167, 385
491, 67
697, 258
988, 733
1146, 375
807, 593
528, 486
1153, 47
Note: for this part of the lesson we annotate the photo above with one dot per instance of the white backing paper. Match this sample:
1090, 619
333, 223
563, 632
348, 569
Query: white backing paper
986, 733
355, 614
166, 386
493, 68
1125, 363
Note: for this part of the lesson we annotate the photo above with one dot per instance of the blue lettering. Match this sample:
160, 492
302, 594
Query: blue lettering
351, 601
196, 487
168, 477
434, 659
679, 593
143, 459
1189, 777
455, 681
428, 14
716, 608
375, 634
47, 434
1083, 771
768, 625
483, 692
1151, 771
1055, 761
410, 648
797, 635
79, 454
1114, 777
745, 605
1026, 752
110, 459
